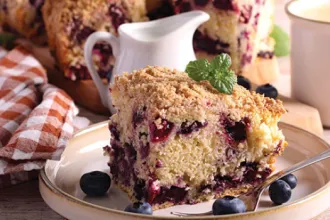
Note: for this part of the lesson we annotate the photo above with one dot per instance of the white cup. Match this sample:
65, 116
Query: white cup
310, 55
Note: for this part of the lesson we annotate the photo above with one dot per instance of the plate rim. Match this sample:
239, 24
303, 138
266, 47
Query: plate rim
43, 178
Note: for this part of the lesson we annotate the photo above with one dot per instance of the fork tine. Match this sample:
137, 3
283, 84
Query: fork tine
251, 202
182, 214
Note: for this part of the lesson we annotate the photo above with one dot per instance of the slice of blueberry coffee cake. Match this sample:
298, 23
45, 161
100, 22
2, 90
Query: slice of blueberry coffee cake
70, 22
178, 141
23, 17
236, 27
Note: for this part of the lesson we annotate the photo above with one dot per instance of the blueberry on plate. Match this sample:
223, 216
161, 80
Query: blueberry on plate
291, 180
279, 192
267, 90
95, 183
139, 207
228, 205
242, 81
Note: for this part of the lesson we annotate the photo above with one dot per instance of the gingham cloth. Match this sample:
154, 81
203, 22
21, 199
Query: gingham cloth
36, 118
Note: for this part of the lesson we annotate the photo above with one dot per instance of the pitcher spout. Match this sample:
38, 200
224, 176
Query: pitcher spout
186, 23
190, 20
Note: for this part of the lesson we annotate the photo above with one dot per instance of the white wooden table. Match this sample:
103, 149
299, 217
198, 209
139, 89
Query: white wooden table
24, 201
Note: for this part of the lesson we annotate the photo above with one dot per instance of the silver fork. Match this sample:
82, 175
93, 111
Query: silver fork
252, 198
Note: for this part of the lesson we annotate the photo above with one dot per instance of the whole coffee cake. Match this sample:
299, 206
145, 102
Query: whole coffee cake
178, 141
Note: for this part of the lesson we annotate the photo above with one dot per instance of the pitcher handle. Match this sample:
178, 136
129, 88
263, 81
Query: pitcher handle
88, 53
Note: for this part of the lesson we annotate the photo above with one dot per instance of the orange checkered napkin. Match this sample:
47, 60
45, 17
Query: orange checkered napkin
36, 118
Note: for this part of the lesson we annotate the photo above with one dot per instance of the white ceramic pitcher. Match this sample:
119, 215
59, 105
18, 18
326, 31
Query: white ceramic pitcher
164, 42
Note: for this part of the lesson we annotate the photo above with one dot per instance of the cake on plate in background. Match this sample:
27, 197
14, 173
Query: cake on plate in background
69, 23
239, 28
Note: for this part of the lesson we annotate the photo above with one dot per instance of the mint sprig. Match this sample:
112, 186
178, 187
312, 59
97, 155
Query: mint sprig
217, 72
282, 41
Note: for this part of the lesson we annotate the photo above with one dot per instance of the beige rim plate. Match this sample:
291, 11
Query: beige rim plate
59, 182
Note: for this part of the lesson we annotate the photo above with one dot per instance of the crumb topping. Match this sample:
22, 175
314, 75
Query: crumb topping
172, 94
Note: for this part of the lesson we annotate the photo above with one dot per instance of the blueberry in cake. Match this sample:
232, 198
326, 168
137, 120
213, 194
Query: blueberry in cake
178, 141
69, 23
23, 17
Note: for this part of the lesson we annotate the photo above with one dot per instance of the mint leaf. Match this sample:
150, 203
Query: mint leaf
217, 72
7, 40
224, 83
221, 62
198, 70
282, 41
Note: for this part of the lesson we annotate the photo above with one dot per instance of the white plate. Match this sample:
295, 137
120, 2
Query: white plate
59, 182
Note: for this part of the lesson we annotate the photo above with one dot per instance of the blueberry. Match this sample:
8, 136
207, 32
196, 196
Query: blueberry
279, 192
223, 4
291, 180
237, 131
201, 2
242, 81
228, 205
162, 133
268, 91
139, 207
187, 128
95, 183
117, 15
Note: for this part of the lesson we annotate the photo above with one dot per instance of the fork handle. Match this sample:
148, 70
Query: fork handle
182, 214
298, 166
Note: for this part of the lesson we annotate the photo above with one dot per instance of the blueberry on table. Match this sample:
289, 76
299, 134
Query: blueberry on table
139, 207
267, 90
279, 192
242, 81
228, 205
291, 180
95, 183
